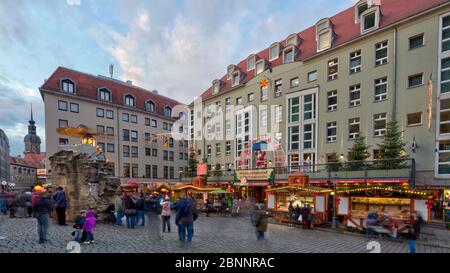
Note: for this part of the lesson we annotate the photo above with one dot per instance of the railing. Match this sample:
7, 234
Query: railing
383, 168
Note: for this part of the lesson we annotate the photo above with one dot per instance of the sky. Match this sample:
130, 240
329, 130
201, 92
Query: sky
177, 47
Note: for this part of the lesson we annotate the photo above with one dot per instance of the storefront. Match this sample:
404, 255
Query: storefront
200, 194
253, 183
446, 207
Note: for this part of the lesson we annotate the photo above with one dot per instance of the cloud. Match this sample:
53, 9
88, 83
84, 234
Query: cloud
16, 25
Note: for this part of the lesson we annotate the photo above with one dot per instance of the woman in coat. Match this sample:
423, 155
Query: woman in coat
165, 214
261, 223
130, 211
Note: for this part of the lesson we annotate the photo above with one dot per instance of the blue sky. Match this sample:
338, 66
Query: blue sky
177, 47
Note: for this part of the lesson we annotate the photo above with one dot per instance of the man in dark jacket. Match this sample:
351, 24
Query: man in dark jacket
186, 215
42, 209
140, 210
60, 201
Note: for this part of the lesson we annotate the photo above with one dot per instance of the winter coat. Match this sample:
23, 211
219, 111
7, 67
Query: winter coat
59, 199
166, 209
187, 212
118, 204
89, 222
261, 221
140, 205
43, 206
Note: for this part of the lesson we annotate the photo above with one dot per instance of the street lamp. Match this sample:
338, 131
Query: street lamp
333, 223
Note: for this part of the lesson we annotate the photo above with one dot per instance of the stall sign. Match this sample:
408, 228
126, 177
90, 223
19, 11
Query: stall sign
202, 169
342, 206
263, 174
381, 201
41, 173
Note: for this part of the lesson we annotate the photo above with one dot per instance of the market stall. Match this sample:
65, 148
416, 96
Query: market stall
200, 194
446, 206
394, 206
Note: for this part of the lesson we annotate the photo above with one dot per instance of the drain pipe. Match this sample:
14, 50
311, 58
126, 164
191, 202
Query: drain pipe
394, 86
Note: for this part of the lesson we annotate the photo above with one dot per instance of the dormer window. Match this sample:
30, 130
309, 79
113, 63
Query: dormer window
260, 67
167, 111
251, 60
292, 40
104, 94
274, 51
235, 79
324, 34
360, 7
289, 54
68, 86
370, 19
230, 71
216, 84
150, 106
130, 100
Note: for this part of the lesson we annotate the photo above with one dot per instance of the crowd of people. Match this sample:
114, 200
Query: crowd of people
300, 215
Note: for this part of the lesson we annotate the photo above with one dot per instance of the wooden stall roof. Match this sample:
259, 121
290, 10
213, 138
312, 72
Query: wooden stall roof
194, 188
306, 188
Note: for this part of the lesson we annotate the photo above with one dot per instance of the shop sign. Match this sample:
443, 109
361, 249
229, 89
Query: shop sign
202, 169
41, 173
250, 175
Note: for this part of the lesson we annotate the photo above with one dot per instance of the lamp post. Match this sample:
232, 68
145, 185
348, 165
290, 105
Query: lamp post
333, 223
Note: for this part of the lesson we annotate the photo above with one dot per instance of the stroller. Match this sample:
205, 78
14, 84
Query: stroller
110, 217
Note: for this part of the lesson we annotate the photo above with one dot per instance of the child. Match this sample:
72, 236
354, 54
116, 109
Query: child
79, 221
89, 226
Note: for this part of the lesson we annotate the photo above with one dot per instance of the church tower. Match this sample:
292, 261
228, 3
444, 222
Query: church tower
32, 141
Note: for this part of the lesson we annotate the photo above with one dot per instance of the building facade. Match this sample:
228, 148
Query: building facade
4, 158
319, 89
131, 125
23, 174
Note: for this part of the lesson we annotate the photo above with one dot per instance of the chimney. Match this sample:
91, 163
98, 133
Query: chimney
130, 83
155, 91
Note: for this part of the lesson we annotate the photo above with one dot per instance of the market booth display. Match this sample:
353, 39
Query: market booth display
396, 204
200, 194
299, 192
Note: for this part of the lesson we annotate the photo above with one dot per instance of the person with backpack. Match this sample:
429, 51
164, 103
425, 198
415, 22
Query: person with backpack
186, 215
42, 209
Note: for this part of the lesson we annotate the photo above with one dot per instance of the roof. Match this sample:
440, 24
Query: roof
87, 86
20, 161
345, 30
36, 160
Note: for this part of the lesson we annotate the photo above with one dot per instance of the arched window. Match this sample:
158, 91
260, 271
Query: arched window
104, 94
130, 100
68, 86
274, 51
150, 106
324, 34
167, 111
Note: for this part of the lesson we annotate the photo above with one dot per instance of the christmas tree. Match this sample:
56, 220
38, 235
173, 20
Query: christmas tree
358, 153
392, 148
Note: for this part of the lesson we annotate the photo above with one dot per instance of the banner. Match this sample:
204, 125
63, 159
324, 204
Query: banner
251, 175
202, 168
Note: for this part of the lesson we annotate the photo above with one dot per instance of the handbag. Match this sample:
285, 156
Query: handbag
130, 211
300, 218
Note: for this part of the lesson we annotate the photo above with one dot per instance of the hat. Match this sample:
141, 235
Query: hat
167, 198
82, 211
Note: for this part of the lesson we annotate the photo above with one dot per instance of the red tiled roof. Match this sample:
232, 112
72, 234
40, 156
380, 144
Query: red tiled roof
36, 160
345, 30
20, 161
87, 86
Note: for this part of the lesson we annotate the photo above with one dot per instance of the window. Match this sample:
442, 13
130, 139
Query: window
369, 21
125, 117
185, 156
180, 144
154, 138
74, 107
332, 100
376, 154
381, 89
260, 67
109, 114
294, 109
218, 149
251, 62
250, 97
154, 152
264, 93
100, 129
228, 148
324, 40
238, 101
133, 119
379, 124
444, 157
263, 118
148, 151
278, 85
416, 41
294, 138
278, 113
446, 33
134, 136
147, 122
171, 142
63, 141
355, 95
165, 155
134, 170
165, 126
308, 138
171, 172
353, 128
445, 75
444, 116
68, 86
381, 53
150, 106
126, 135
110, 148
312, 76
148, 171
415, 80
235, 79
360, 9
331, 131
333, 69
355, 61
63, 123
134, 151
227, 105
126, 151
180, 156
274, 52
154, 171
130, 100
288, 55
308, 107
110, 131
167, 111
218, 130
414, 119
208, 149
104, 94
218, 107
62, 105
216, 87
170, 155
126, 170
295, 82
100, 112
154, 123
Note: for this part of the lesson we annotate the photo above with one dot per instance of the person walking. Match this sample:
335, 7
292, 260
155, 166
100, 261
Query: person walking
130, 210
153, 212
412, 237
42, 209
60, 202
261, 223
118, 208
290, 212
89, 226
3, 203
12, 204
298, 212
140, 210
305, 215
186, 215
165, 214
28, 204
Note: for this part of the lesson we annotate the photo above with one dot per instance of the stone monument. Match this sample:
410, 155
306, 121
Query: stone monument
86, 177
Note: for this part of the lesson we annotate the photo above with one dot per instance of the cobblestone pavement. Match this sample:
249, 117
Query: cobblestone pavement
212, 234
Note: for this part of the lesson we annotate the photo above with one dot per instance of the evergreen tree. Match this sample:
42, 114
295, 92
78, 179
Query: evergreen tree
192, 164
333, 163
358, 152
392, 147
